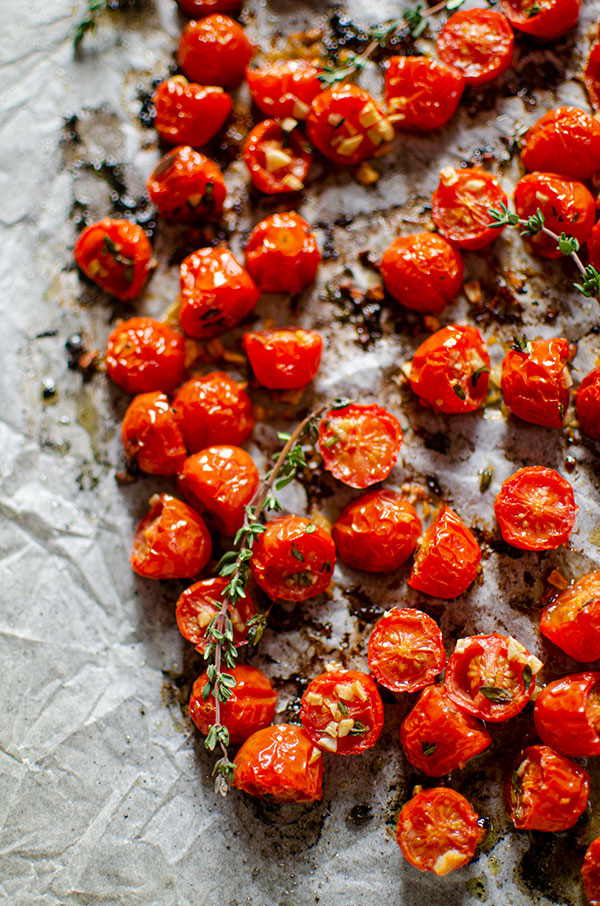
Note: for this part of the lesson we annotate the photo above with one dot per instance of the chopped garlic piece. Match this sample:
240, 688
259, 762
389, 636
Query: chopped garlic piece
314, 698
329, 744
460, 646
368, 116
331, 729
516, 651
349, 145
448, 176
346, 693
345, 726
474, 185
292, 182
535, 664
360, 691
316, 754
447, 862
276, 158
374, 135
334, 119
301, 110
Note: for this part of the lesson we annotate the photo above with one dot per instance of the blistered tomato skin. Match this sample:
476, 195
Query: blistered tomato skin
572, 619
447, 560
546, 791
587, 404
536, 384
461, 204
421, 94
359, 444
187, 113
282, 763
195, 9
284, 87
564, 141
251, 706
115, 254
342, 712
199, 603
284, 358
187, 187
171, 541
151, 435
536, 509
213, 409
478, 43
282, 255
422, 271
220, 481
216, 293
590, 873
347, 125
450, 371
406, 650
567, 715
567, 206
377, 532
277, 161
554, 18
214, 51
143, 355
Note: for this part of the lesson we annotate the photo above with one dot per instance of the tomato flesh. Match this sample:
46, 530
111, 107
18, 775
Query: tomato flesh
587, 402
536, 384
377, 532
286, 358
478, 43
171, 541
144, 355
282, 254
216, 292
536, 509
572, 619
282, 763
342, 712
284, 87
151, 435
347, 125
406, 650
567, 206
564, 141
214, 51
421, 94
447, 560
212, 410
115, 254
187, 113
548, 19
422, 271
461, 205
567, 715
277, 161
590, 873
220, 481
187, 187
251, 706
546, 791
450, 371
199, 604
359, 444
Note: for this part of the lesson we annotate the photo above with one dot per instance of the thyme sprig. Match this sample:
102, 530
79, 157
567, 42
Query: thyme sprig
90, 22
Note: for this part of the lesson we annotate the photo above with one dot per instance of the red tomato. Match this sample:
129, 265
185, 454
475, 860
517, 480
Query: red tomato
189, 114
406, 650
277, 161
282, 254
115, 254
422, 271
216, 292
359, 444
220, 481
342, 712
547, 20
594, 246
450, 371
587, 404
546, 791
438, 831
285, 358
437, 737
590, 873
151, 435
592, 74
377, 532
143, 354
567, 715
199, 604
198, 8
186, 186
284, 87
536, 509
564, 141
568, 207
250, 708
347, 125
572, 619
214, 51
293, 559
171, 541
280, 762
213, 409
536, 383
461, 204
477, 42
421, 94
446, 562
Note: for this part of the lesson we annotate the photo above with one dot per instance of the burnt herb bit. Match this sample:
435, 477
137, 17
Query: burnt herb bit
496, 694
310, 528
297, 553
527, 676
343, 708
428, 747
521, 344
477, 374
485, 478
459, 392
358, 729
533, 10
112, 250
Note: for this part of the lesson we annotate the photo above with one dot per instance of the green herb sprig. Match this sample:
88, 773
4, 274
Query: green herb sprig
90, 22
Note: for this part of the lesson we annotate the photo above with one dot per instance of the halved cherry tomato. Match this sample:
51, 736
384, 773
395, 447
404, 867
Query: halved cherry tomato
171, 541
564, 141
421, 94
293, 559
284, 87
115, 254
187, 113
450, 371
437, 737
546, 791
214, 51
280, 762
536, 383
213, 409
567, 715
422, 271
250, 707
590, 873
536, 509
359, 444
446, 562
478, 43
216, 292
406, 650
143, 354
278, 161
342, 712
186, 186
592, 74
282, 254
572, 619
151, 435
377, 532
198, 8
347, 125
567, 206
200, 603
587, 404
461, 205
548, 19
285, 358
220, 481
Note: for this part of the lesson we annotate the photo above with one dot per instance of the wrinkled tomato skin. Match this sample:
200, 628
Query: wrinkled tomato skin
377, 532
406, 650
189, 114
572, 619
553, 791
199, 603
592, 76
461, 203
290, 177
187, 187
171, 541
251, 706
281, 763
216, 293
450, 370
345, 106
422, 271
567, 206
587, 404
567, 715
196, 9
366, 451
447, 560
360, 703
421, 94
220, 481
285, 358
478, 43
590, 873
536, 385
437, 737
282, 254
151, 435
564, 141
115, 254
213, 409
143, 355
536, 509
554, 19
284, 87
291, 564
214, 51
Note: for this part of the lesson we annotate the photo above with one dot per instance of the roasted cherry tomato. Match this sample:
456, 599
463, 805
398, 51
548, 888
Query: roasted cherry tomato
213, 409
438, 831
536, 509
189, 114
201, 602
198, 8
277, 161
572, 619
151, 435
422, 271
377, 532
587, 404
143, 354
590, 873
359, 444
293, 559
115, 254
186, 186
250, 707
446, 562
546, 791
437, 737
491, 676
592, 74
406, 650
421, 94
282, 763
450, 371
285, 358
547, 20
216, 292
536, 383
564, 141
567, 207
342, 712
171, 541
282, 254
220, 481
478, 43
284, 87
461, 205
214, 51
567, 715
347, 125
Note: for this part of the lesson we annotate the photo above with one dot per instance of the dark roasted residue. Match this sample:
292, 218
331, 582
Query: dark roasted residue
361, 309
360, 814
345, 35
79, 358
499, 303
361, 606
